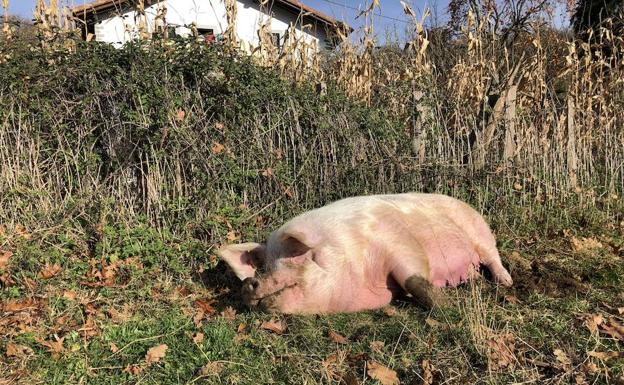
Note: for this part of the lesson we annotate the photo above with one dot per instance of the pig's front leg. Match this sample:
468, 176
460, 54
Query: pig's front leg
412, 278
411, 272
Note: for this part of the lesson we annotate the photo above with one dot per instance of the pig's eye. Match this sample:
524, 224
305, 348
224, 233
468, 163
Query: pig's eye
266, 268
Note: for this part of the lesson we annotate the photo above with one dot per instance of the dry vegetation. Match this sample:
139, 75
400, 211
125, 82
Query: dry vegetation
121, 170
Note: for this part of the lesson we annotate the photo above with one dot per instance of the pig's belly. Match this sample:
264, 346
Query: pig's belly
364, 298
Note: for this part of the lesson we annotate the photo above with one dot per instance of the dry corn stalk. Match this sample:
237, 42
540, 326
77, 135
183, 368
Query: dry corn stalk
47, 21
6, 28
140, 20
160, 21
231, 12
355, 66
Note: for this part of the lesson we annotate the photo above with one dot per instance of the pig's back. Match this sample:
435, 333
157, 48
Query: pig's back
363, 214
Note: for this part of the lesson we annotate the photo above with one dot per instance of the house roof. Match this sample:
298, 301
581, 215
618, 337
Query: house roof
86, 10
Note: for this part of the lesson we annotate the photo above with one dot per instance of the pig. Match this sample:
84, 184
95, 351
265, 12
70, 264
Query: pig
358, 253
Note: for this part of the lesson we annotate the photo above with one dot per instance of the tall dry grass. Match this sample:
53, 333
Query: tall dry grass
537, 125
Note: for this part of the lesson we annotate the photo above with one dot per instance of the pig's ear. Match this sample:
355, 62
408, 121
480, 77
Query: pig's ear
295, 249
243, 258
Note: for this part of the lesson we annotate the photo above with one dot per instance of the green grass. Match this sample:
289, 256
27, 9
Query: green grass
153, 303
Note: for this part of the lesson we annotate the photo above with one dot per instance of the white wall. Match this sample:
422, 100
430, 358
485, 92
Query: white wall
118, 29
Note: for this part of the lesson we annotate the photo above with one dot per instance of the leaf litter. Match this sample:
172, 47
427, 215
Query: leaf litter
276, 326
382, 373
155, 354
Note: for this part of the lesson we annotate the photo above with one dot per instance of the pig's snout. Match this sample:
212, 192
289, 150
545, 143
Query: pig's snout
250, 285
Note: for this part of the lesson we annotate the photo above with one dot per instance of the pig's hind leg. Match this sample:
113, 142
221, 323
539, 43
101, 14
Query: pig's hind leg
476, 229
485, 245
438, 257
491, 259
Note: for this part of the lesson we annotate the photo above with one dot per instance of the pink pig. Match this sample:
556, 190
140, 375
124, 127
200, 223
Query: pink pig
357, 253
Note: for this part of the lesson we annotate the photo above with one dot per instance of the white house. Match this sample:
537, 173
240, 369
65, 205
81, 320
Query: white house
117, 21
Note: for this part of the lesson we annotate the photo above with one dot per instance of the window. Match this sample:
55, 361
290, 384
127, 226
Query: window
171, 32
276, 38
207, 34
88, 32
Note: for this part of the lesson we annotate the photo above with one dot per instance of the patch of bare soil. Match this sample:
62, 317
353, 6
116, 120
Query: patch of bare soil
547, 277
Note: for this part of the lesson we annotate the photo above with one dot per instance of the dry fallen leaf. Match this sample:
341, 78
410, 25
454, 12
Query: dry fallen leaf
6, 279
337, 338
62, 321
562, 358
240, 338
213, 368
229, 313
390, 311
348, 378
109, 272
583, 244
133, 369
592, 322
15, 350
30, 284
198, 337
198, 317
21, 231
120, 316
54, 347
330, 360
20, 305
382, 373
70, 295
278, 327
580, 379
613, 328
241, 328
427, 372
50, 271
433, 323
205, 305
113, 347
590, 368
289, 193
4, 259
89, 328
154, 354
376, 346
512, 299
180, 114
183, 291
217, 148
605, 356
501, 351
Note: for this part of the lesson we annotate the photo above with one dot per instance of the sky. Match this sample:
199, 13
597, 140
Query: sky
389, 17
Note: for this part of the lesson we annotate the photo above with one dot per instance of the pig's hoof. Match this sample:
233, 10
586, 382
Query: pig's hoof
504, 278
422, 292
